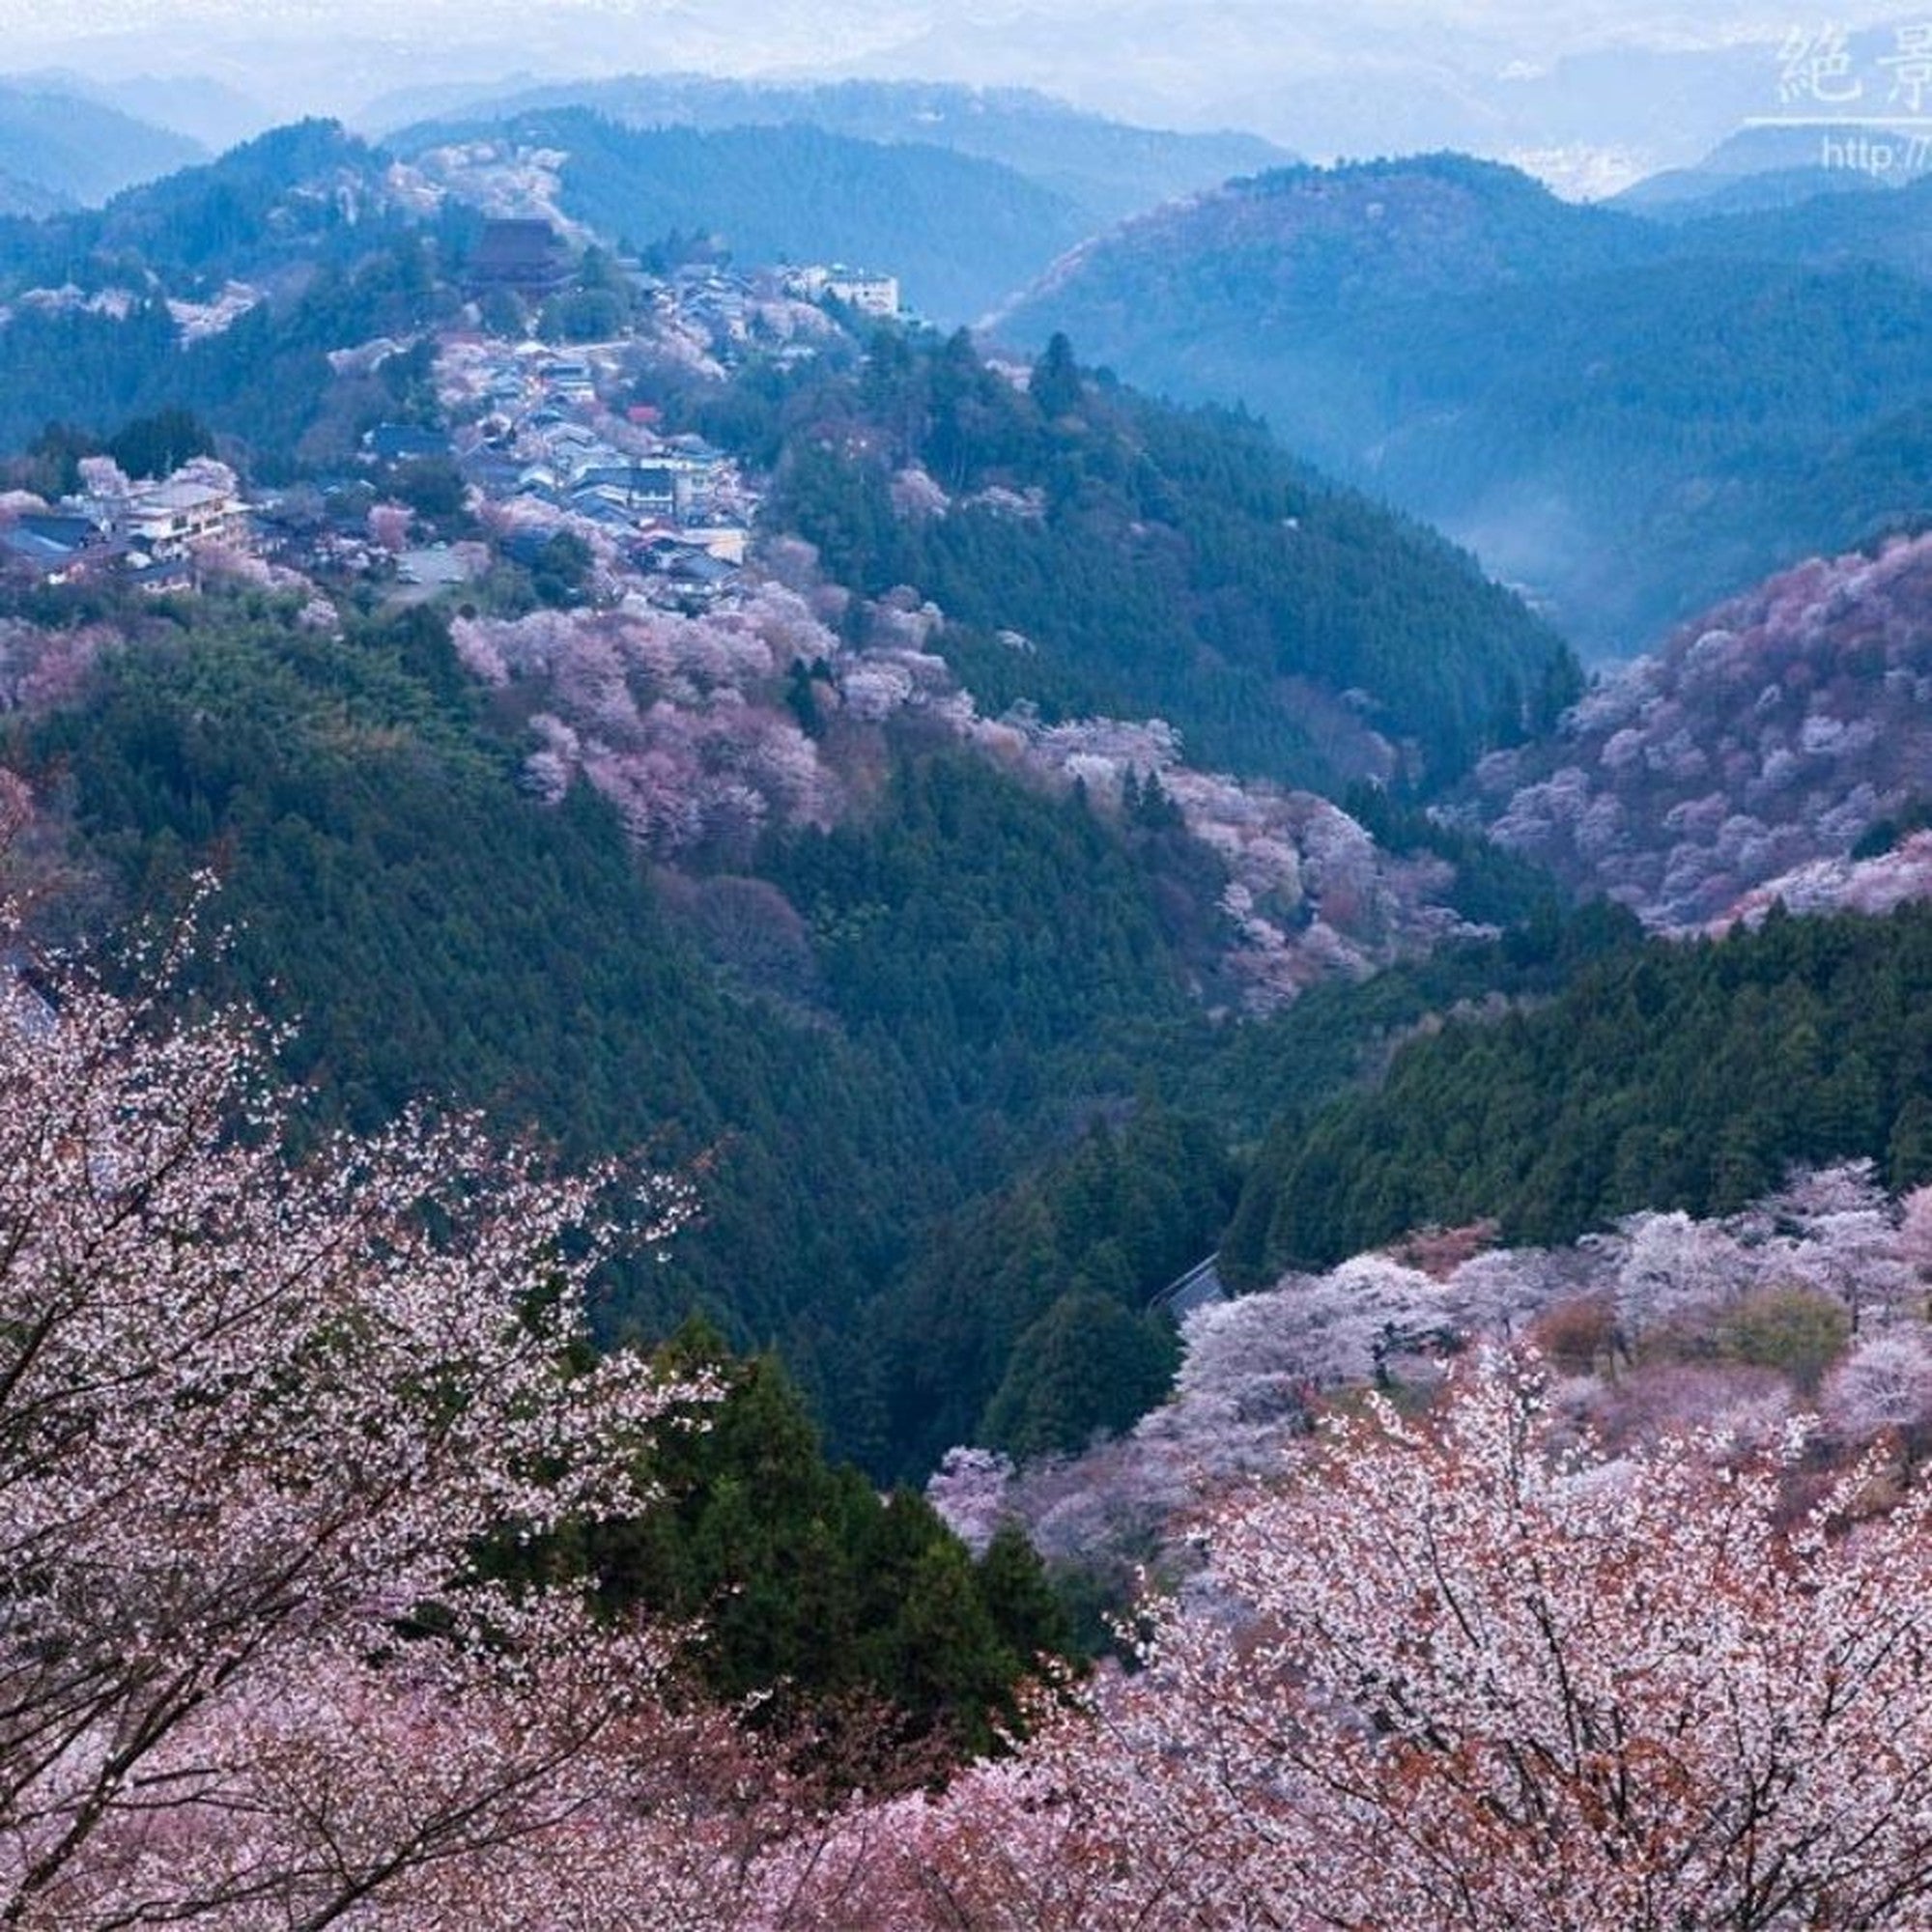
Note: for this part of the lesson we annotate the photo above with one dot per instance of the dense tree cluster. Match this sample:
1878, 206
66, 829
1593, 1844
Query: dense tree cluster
1784, 728
327, 1538
776, 712
1021, 1321
1665, 1077
874, 1025
1155, 561
1462, 1672
255, 1420
857, 1625
306, 209
856, 1027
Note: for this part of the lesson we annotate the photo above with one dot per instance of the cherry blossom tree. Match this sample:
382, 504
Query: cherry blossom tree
1840, 1231
1668, 1264
390, 524
258, 1424
1885, 1383
1456, 1674
972, 1492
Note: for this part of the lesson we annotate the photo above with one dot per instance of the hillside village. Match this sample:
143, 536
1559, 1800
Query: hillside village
530, 470
523, 424
519, 468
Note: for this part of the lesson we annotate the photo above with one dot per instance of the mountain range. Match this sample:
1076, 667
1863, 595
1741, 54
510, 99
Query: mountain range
1083, 954
1107, 169
1628, 418
1597, 100
1060, 721
60, 149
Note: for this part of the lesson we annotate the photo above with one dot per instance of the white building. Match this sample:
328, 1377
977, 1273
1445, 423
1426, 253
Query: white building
868, 294
167, 518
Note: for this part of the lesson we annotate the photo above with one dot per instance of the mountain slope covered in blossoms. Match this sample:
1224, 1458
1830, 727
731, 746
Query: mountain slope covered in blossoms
1775, 747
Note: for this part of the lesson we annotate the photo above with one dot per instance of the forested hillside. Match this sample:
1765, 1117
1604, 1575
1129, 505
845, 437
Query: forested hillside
800, 1130
1631, 417
299, 225
1106, 168
1676, 1075
959, 231
906, 899
438, 935
1775, 746
1097, 552
304, 193
889, 931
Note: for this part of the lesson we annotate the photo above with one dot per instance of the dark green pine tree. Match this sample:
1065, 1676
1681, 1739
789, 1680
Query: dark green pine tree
1055, 383
1907, 1161
1087, 1363
949, 1657
1025, 1609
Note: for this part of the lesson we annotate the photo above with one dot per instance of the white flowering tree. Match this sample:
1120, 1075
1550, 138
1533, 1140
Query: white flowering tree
256, 1423
1885, 1383
1471, 1678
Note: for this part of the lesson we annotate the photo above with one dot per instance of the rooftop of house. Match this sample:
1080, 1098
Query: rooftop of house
404, 442
166, 574
176, 497
491, 473
526, 546
599, 510
24, 546
64, 532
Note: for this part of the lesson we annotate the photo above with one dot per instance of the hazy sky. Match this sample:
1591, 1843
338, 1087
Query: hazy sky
751, 35
1668, 77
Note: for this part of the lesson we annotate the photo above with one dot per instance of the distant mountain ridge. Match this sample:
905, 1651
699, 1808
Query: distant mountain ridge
1324, 237
286, 195
29, 199
204, 110
1769, 167
1107, 168
62, 149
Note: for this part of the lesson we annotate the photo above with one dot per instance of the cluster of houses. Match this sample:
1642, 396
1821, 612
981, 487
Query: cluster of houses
727, 309
674, 508
857, 288
532, 429
147, 533
672, 505
704, 299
